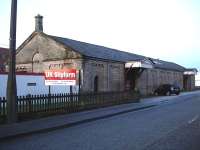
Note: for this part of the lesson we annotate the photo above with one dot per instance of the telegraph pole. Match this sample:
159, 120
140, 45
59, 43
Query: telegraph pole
11, 83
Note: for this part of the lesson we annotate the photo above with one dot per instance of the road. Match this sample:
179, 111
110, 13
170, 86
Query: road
170, 125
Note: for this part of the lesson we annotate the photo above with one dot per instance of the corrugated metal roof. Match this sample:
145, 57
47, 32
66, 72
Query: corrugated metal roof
102, 52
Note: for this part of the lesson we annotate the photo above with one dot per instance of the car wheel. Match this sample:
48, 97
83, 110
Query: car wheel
168, 93
156, 93
177, 93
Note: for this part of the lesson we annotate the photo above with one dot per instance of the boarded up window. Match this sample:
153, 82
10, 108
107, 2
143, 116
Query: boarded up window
37, 63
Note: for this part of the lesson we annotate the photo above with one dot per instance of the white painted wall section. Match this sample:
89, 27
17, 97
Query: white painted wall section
197, 79
34, 85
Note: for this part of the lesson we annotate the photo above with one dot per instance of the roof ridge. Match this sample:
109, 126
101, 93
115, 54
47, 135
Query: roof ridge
95, 45
102, 52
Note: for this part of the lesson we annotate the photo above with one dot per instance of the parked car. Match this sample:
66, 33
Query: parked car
167, 89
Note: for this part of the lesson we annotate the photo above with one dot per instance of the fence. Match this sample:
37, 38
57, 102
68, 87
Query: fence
34, 106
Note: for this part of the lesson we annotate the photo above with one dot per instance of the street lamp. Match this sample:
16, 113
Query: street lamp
11, 83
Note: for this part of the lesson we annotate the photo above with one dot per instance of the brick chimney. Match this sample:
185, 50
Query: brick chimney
39, 23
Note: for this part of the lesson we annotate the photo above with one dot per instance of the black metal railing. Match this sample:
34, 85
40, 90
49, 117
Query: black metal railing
34, 106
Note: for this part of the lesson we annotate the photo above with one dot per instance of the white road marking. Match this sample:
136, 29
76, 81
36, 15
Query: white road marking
193, 119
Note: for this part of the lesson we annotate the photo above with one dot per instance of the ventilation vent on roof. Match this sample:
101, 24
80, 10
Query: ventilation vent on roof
157, 62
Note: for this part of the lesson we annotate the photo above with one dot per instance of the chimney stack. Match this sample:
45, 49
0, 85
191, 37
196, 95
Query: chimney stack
39, 23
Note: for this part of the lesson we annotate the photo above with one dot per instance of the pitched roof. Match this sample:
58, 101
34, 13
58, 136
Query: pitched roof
157, 63
97, 51
102, 52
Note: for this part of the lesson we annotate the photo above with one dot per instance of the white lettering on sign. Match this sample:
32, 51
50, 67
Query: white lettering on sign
60, 77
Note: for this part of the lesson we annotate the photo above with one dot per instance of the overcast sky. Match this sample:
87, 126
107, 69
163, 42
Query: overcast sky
164, 29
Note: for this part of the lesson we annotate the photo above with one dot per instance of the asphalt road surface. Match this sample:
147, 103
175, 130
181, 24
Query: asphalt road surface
171, 125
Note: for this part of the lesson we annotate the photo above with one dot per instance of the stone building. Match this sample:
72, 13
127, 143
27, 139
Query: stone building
3, 58
189, 79
102, 68
197, 80
161, 72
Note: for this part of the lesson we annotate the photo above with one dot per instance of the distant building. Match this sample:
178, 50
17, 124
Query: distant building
197, 80
189, 78
102, 68
3, 59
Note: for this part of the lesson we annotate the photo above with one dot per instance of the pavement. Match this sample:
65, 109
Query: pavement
62, 121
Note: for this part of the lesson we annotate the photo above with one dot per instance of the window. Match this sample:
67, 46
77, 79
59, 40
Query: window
37, 63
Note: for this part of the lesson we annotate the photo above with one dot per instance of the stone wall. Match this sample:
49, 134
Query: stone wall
37, 54
189, 82
40, 67
42, 53
150, 79
110, 75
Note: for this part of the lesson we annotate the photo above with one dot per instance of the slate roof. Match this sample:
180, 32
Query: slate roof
102, 52
97, 51
157, 63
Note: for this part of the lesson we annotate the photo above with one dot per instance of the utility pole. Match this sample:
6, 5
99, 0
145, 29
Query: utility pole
11, 83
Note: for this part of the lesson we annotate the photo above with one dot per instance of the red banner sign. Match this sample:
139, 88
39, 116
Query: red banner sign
60, 77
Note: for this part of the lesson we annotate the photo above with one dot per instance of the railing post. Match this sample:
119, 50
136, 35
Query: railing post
5, 107
28, 97
49, 101
71, 98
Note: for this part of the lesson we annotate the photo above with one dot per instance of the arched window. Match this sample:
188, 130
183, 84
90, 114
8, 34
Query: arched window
37, 63
96, 82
